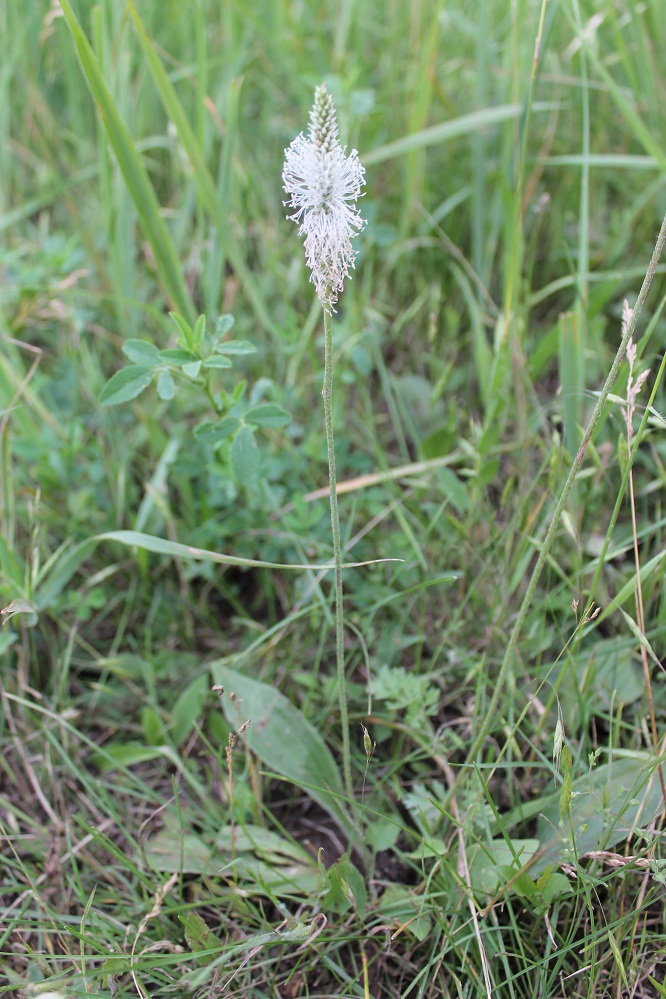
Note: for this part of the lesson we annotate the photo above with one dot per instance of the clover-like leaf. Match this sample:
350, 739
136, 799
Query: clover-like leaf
178, 357
235, 347
268, 414
244, 455
141, 352
126, 384
217, 361
166, 386
213, 433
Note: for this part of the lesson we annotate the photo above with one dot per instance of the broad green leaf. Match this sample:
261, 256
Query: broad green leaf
169, 267
268, 415
265, 843
346, 888
198, 934
235, 855
213, 433
284, 739
188, 708
153, 729
606, 805
116, 966
405, 909
192, 370
126, 384
556, 886
235, 347
166, 386
521, 882
170, 850
217, 361
489, 858
381, 834
141, 352
244, 455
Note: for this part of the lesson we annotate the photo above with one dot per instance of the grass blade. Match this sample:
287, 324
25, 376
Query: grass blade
134, 172
205, 183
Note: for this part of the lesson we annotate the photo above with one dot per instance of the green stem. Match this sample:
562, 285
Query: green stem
491, 708
327, 393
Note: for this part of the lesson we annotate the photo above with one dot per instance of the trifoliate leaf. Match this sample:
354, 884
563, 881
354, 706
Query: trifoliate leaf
141, 352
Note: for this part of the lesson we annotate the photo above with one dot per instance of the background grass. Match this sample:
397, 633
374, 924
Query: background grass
512, 205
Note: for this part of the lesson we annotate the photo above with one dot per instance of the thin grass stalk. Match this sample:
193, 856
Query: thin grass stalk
491, 707
327, 394
601, 560
633, 388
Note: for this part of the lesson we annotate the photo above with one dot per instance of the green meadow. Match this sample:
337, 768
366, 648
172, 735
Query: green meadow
216, 777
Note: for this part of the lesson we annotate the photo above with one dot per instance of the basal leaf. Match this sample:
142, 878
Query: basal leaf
346, 888
284, 739
187, 710
606, 805
198, 934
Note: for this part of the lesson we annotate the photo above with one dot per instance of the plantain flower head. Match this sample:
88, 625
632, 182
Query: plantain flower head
323, 185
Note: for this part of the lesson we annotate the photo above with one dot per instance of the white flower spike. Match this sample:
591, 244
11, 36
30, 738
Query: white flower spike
323, 185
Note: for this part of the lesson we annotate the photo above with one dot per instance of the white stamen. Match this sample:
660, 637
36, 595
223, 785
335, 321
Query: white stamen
324, 184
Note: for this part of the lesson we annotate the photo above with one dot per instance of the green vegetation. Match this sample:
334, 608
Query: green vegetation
174, 809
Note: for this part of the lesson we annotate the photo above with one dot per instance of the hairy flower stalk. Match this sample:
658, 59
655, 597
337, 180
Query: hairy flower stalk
324, 184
